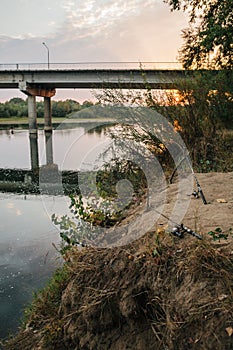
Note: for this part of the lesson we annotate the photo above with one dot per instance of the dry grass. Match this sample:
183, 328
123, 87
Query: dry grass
126, 298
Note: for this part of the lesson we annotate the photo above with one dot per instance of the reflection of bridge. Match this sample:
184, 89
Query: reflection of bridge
44, 179
47, 180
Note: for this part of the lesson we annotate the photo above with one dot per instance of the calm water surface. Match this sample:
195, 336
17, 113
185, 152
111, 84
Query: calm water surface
27, 235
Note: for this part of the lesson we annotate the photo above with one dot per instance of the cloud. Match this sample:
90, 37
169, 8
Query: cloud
89, 18
138, 31
69, 20
18, 17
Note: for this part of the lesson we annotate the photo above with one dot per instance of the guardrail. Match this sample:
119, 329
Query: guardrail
90, 65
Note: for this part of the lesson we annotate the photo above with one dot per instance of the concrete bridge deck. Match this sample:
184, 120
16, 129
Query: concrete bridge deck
91, 79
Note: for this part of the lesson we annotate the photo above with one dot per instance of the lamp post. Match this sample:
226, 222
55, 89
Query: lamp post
48, 52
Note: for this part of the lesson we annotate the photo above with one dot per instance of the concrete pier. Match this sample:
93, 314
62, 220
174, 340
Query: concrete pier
47, 114
48, 130
32, 121
33, 137
49, 146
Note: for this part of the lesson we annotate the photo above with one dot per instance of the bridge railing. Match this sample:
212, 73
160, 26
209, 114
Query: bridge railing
90, 66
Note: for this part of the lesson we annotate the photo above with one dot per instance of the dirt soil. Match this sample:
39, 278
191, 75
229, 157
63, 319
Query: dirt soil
218, 190
157, 293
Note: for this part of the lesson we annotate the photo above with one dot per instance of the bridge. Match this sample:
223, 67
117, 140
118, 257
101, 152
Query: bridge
43, 80
26, 80
39, 80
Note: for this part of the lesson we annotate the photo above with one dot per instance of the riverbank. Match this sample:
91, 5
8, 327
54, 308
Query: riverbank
17, 121
159, 292
130, 299
24, 121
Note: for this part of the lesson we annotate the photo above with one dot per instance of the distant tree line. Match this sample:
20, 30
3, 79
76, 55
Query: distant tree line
17, 107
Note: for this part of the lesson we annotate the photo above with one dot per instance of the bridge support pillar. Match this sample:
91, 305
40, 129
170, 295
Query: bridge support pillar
47, 114
32, 122
33, 137
48, 129
49, 146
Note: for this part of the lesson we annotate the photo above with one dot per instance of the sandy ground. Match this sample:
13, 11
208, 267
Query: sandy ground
202, 218
218, 212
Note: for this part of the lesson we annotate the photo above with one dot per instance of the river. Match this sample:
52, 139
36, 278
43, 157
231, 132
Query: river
27, 235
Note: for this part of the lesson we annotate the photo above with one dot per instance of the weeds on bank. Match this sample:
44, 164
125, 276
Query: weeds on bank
85, 224
102, 207
41, 317
46, 302
218, 234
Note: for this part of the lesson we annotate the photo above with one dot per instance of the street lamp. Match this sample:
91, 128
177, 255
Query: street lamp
48, 52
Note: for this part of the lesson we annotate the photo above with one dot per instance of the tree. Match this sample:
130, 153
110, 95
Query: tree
4, 113
87, 104
59, 109
208, 41
199, 112
74, 105
40, 109
17, 100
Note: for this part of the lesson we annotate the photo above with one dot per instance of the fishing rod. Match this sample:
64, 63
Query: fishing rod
178, 230
199, 189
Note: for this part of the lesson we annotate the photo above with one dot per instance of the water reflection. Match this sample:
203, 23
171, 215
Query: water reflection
17, 283
49, 147
27, 254
14, 148
33, 138
27, 235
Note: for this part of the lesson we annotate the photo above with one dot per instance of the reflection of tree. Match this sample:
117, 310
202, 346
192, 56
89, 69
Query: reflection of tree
99, 129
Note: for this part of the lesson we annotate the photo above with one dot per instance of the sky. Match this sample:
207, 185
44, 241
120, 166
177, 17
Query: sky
87, 31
